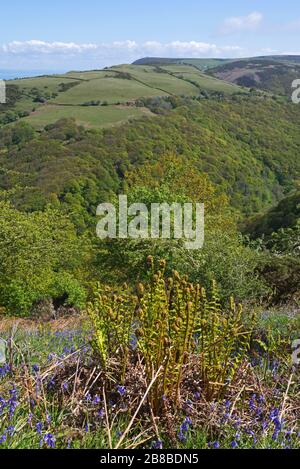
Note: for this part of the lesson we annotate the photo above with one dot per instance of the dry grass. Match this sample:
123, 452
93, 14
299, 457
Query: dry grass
28, 325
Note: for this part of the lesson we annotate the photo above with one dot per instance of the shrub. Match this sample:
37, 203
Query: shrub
68, 290
38, 253
167, 323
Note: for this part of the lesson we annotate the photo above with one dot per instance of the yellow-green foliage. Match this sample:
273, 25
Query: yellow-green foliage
112, 316
223, 341
175, 325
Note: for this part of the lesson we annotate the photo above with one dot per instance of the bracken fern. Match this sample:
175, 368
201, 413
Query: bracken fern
169, 321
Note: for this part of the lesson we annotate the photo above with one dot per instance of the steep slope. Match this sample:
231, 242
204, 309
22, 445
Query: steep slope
270, 74
284, 215
247, 154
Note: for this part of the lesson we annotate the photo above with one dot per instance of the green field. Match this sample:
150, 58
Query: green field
201, 64
204, 64
186, 72
49, 98
99, 116
89, 75
161, 82
111, 90
50, 83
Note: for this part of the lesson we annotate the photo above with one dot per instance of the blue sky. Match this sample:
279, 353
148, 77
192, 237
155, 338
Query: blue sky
68, 34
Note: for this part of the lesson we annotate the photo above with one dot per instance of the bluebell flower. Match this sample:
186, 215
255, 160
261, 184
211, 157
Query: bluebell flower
157, 445
66, 386
4, 371
121, 390
49, 440
39, 427
252, 404
51, 383
12, 402
264, 426
10, 430
3, 404
274, 414
182, 435
278, 424
96, 400
29, 420
189, 421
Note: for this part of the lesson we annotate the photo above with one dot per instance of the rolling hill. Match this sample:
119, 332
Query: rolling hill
101, 98
201, 64
273, 73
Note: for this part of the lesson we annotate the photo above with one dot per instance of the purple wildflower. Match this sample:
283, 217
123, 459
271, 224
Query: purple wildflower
96, 400
158, 445
50, 440
121, 390
39, 427
12, 402
184, 429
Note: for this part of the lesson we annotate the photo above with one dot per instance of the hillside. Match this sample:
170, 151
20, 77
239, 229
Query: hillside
234, 141
106, 97
286, 214
274, 74
201, 64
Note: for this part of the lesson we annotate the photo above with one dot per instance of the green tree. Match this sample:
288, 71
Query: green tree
35, 249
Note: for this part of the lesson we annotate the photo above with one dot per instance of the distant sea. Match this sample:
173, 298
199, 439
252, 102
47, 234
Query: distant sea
13, 74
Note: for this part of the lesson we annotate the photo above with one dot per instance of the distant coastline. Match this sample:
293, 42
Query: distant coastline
14, 74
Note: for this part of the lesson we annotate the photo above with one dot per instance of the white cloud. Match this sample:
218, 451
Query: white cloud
39, 53
197, 49
235, 24
175, 47
42, 47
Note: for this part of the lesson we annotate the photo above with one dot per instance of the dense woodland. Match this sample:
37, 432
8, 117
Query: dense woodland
236, 154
